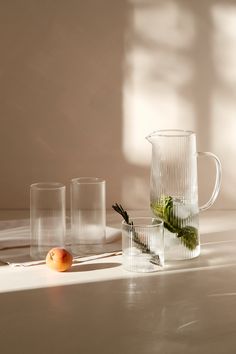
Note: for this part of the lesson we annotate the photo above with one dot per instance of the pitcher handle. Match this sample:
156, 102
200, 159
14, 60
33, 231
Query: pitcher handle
218, 178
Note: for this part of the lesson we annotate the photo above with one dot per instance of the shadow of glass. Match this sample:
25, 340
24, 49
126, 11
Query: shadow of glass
93, 266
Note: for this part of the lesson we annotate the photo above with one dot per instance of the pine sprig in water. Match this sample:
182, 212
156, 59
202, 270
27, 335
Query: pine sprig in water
119, 209
141, 245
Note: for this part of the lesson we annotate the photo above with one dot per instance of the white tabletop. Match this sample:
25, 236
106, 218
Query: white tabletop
98, 307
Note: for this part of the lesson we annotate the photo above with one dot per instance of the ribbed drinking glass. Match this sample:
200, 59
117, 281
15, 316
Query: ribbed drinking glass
47, 218
143, 244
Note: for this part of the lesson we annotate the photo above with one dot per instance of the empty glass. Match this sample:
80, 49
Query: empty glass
143, 244
88, 214
47, 218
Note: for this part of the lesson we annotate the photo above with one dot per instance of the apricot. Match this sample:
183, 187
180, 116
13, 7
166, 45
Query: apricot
59, 259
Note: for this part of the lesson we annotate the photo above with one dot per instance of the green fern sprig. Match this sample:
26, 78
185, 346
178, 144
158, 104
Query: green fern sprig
187, 234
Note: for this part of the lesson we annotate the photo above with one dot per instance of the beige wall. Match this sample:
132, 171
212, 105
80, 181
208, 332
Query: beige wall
83, 82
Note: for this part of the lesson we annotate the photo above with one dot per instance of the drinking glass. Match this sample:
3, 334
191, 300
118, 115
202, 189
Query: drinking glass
47, 218
88, 214
143, 244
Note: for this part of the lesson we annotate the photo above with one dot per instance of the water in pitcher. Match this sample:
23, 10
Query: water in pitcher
180, 227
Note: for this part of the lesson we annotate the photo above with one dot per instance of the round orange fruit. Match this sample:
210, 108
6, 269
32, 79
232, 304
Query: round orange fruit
59, 259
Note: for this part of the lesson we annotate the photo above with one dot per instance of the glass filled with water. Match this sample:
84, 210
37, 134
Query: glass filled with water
143, 244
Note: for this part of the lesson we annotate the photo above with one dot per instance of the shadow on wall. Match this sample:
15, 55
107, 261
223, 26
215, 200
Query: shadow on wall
61, 94
181, 73
83, 83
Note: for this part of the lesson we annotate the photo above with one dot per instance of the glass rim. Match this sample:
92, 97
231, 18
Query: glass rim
47, 186
171, 133
144, 224
88, 180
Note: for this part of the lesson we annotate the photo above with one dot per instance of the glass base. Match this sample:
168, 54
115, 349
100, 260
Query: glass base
176, 251
142, 263
40, 252
87, 249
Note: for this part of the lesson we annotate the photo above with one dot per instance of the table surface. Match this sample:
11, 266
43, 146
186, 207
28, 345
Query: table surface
98, 307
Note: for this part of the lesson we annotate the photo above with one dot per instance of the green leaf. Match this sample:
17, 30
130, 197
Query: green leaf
189, 237
163, 208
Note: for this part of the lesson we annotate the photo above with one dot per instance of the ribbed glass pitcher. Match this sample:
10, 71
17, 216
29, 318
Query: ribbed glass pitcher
174, 190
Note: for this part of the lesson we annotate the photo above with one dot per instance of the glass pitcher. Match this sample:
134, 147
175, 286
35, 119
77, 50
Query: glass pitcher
174, 190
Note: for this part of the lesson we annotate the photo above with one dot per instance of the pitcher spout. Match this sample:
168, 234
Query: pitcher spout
150, 136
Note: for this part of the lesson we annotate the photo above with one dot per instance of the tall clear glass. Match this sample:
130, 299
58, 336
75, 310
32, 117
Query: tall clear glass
88, 214
47, 218
174, 190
